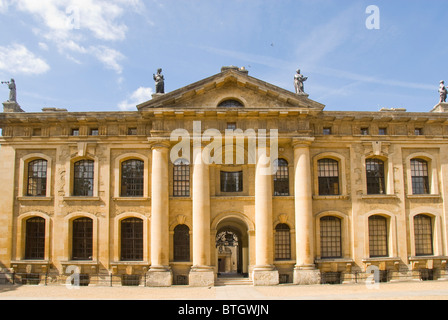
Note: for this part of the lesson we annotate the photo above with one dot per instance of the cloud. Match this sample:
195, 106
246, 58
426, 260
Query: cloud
140, 95
109, 57
17, 59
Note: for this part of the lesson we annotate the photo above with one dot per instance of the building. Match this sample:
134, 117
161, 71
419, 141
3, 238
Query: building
130, 196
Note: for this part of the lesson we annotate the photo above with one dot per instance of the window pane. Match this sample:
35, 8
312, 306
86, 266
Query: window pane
132, 177
37, 178
281, 178
330, 237
375, 176
83, 178
132, 239
423, 235
181, 178
82, 239
282, 242
35, 239
419, 173
182, 243
328, 173
231, 181
378, 236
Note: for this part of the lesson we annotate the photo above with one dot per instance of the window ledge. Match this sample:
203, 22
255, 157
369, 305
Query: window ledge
285, 262
80, 262
337, 197
27, 198
130, 263
74, 198
419, 258
423, 196
381, 259
379, 196
334, 260
131, 198
34, 262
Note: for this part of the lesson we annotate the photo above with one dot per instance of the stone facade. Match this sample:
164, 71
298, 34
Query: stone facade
323, 222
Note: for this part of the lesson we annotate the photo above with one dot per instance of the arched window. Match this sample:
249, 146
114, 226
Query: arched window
281, 178
328, 173
231, 103
181, 243
330, 237
282, 242
181, 178
419, 175
37, 178
132, 177
83, 178
375, 176
132, 239
35, 239
378, 237
82, 239
423, 235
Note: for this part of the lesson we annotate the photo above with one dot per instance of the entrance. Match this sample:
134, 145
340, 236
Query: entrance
232, 254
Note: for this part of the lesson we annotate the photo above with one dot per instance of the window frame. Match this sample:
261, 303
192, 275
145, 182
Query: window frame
41, 182
238, 182
328, 179
135, 243
374, 241
381, 179
282, 242
181, 243
35, 242
331, 238
91, 171
87, 241
181, 178
419, 241
281, 178
132, 186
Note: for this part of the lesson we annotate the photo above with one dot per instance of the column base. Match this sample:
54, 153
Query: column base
159, 276
265, 276
201, 277
306, 275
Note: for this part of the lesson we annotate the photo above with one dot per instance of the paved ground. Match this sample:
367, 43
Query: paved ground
428, 290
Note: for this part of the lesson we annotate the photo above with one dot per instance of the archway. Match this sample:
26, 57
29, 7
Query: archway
232, 247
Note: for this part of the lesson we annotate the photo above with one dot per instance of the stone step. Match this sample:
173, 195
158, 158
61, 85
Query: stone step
233, 282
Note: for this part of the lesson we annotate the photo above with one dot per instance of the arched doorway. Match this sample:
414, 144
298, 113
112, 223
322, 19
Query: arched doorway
232, 248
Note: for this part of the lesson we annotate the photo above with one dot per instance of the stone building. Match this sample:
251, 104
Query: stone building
131, 196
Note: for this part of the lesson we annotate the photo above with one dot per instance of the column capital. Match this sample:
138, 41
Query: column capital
302, 142
158, 142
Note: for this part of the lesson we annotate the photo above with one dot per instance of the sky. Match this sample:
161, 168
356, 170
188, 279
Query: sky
95, 55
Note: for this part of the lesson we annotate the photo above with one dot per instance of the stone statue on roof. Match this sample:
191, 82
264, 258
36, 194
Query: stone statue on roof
442, 92
160, 81
299, 79
12, 90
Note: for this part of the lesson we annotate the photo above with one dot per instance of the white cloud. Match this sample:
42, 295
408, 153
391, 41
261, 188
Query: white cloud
17, 58
140, 95
109, 57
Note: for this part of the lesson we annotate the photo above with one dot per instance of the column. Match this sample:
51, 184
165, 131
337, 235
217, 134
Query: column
305, 271
159, 274
201, 273
264, 272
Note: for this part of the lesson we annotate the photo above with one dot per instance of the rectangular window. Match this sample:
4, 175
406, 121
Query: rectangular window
378, 236
328, 173
375, 176
94, 132
419, 173
132, 131
364, 131
181, 179
326, 131
35, 239
231, 125
82, 239
423, 235
330, 237
37, 178
83, 178
382, 131
418, 131
75, 132
231, 181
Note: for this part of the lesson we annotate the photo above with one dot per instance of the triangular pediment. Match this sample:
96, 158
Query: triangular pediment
231, 84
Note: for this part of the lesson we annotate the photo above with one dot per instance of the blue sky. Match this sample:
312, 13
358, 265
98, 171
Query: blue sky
95, 55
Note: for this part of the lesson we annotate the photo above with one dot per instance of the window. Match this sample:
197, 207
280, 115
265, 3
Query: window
94, 132
181, 178
281, 178
230, 104
326, 131
181, 243
231, 125
418, 131
75, 132
328, 173
132, 131
132, 173
132, 239
330, 237
375, 176
37, 132
83, 178
37, 178
382, 131
82, 239
378, 236
231, 181
364, 131
423, 235
282, 242
35, 239
419, 175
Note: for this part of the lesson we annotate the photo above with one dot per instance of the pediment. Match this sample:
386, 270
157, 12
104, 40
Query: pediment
231, 84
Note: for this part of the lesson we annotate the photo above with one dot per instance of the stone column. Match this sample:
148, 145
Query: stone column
201, 273
159, 274
264, 272
305, 271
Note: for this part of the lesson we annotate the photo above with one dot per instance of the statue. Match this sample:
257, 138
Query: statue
160, 81
442, 91
299, 79
12, 90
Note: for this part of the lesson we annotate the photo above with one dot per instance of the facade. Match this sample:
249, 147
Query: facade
126, 195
